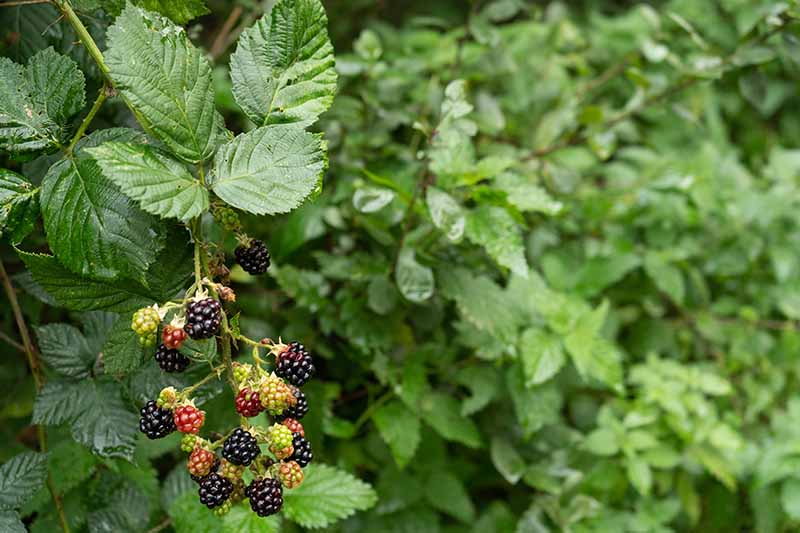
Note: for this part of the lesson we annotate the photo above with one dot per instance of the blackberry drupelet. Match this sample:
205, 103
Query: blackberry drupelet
171, 360
240, 448
266, 496
214, 490
156, 422
299, 409
302, 450
295, 364
254, 259
203, 318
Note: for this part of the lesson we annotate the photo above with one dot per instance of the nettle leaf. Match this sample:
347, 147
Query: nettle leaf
180, 12
283, 67
507, 460
36, 100
122, 352
414, 280
446, 212
494, 229
269, 170
166, 80
99, 417
541, 354
483, 385
534, 406
593, 356
400, 429
447, 493
21, 477
92, 227
162, 185
19, 207
65, 350
443, 413
327, 495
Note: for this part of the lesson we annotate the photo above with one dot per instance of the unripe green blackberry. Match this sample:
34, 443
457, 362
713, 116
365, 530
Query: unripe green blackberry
145, 323
227, 218
280, 441
275, 395
241, 372
223, 509
230, 470
188, 442
167, 398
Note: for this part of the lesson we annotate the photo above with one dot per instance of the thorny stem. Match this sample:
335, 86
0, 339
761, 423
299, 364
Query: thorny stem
84, 36
98, 103
36, 372
23, 3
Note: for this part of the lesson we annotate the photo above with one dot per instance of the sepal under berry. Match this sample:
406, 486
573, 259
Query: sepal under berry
295, 364
241, 447
214, 490
155, 422
188, 418
266, 496
291, 474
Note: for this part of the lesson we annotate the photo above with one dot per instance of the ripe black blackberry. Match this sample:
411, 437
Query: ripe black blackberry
254, 259
295, 364
155, 422
203, 318
266, 496
298, 410
302, 450
240, 448
214, 490
171, 360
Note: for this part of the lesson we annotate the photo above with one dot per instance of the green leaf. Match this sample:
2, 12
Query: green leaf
269, 170
241, 518
541, 354
790, 498
507, 460
69, 464
65, 350
446, 493
494, 229
19, 207
534, 406
122, 352
36, 100
162, 185
443, 413
190, 516
593, 356
99, 417
602, 441
10, 522
381, 296
667, 277
480, 301
283, 67
21, 477
483, 384
166, 80
640, 475
715, 464
414, 280
446, 213
400, 429
527, 196
92, 228
372, 199
327, 495
180, 12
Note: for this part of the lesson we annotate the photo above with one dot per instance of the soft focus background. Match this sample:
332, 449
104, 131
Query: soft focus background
551, 280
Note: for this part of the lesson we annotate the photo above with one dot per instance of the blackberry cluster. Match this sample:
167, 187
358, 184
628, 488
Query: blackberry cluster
155, 422
171, 360
295, 364
266, 496
240, 448
254, 259
299, 409
302, 450
214, 490
203, 318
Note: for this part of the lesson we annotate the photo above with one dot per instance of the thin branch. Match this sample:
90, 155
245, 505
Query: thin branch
164, 524
98, 103
38, 379
23, 3
12, 342
221, 41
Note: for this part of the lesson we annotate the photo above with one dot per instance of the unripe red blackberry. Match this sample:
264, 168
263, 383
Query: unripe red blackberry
203, 318
155, 422
294, 426
200, 462
173, 337
302, 450
300, 407
171, 360
188, 418
241, 447
295, 364
214, 490
254, 259
248, 402
290, 474
266, 496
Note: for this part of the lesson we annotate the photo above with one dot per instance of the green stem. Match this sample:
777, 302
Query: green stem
85, 37
38, 380
374, 406
214, 374
98, 103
